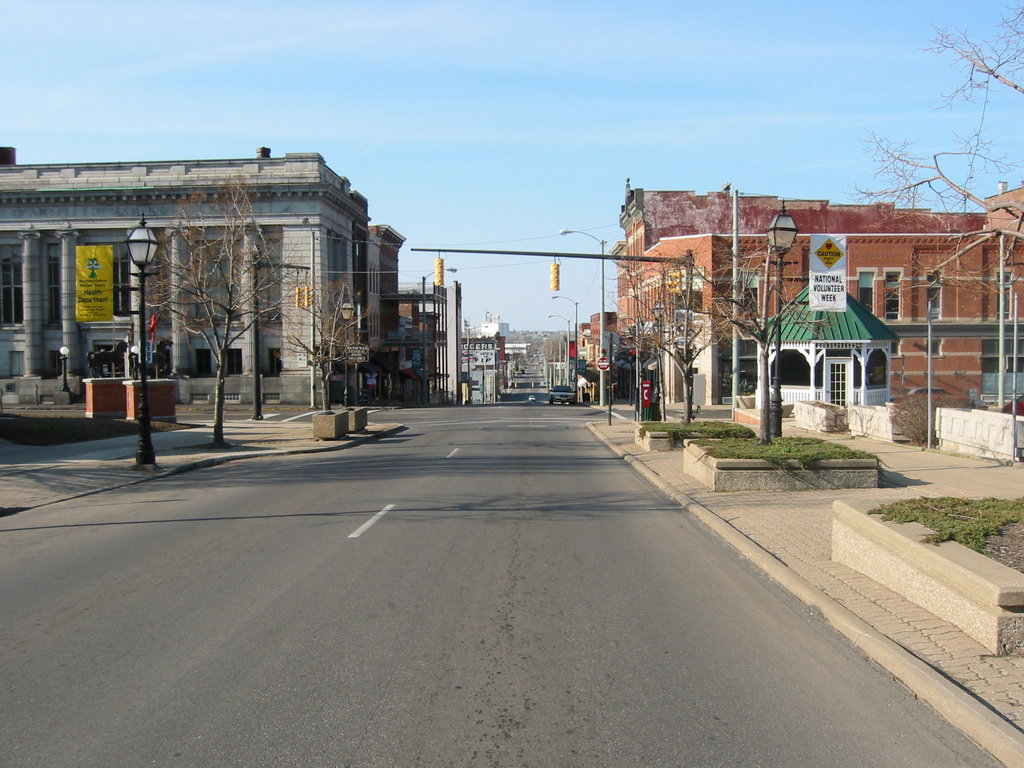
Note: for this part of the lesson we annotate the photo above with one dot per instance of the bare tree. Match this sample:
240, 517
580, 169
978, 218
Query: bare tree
674, 322
219, 278
946, 179
323, 329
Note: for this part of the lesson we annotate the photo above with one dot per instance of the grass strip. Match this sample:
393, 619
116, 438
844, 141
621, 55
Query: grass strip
968, 521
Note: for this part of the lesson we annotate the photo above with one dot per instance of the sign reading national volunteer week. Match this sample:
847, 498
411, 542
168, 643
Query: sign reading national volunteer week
94, 283
827, 291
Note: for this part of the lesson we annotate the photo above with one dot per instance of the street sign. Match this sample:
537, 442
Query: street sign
602, 364
355, 353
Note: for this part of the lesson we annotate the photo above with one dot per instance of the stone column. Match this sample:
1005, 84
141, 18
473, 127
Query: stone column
68, 321
179, 337
32, 297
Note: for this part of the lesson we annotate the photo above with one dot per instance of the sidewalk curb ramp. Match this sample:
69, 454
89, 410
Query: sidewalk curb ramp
973, 717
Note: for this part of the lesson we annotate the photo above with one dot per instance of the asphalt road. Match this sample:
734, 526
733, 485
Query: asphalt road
491, 587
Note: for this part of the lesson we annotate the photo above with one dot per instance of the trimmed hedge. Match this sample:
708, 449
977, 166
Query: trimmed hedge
698, 429
804, 450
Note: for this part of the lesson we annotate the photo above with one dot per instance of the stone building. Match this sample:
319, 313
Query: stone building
317, 225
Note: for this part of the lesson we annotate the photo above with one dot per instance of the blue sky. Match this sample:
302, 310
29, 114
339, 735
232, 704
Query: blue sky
496, 124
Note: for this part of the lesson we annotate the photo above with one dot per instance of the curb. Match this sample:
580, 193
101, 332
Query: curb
213, 461
987, 728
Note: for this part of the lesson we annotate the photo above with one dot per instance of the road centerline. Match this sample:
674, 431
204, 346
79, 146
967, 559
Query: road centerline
366, 526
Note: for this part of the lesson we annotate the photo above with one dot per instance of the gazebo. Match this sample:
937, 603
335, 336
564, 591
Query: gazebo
843, 358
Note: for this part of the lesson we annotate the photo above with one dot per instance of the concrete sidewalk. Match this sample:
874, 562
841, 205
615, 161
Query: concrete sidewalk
788, 535
31, 476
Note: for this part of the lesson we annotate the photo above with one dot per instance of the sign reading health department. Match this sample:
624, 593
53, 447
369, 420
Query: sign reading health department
828, 274
94, 283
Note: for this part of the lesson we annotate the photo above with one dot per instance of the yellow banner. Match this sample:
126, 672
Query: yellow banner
94, 283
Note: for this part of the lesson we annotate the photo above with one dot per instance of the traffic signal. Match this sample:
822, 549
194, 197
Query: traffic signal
554, 276
303, 296
438, 271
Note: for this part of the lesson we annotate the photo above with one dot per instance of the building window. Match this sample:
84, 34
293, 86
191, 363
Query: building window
891, 291
204, 363
990, 367
122, 281
53, 308
934, 297
17, 363
11, 291
866, 289
274, 365
233, 362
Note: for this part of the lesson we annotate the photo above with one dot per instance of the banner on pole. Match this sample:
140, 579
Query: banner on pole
827, 291
94, 283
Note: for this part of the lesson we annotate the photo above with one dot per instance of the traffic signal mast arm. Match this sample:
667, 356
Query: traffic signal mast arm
548, 254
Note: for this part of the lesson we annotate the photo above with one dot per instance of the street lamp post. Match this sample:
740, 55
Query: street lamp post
575, 337
781, 235
568, 322
142, 245
348, 311
64, 352
602, 350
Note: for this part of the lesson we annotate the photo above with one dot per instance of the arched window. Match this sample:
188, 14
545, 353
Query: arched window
11, 290
878, 363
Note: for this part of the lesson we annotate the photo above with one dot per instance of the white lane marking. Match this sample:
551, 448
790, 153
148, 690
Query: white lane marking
454, 451
365, 526
301, 416
618, 415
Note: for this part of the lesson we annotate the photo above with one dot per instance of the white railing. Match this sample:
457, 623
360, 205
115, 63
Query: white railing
791, 395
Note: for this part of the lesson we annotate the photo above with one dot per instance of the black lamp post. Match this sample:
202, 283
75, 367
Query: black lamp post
64, 352
348, 311
781, 236
142, 246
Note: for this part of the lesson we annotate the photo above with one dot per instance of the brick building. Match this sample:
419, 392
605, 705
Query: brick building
898, 260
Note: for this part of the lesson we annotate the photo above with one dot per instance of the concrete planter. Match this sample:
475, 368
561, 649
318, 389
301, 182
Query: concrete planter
330, 425
652, 441
755, 474
982, 597
356, 419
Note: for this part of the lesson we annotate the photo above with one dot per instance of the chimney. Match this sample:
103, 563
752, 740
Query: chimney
1003, 186
7, 156
263, 153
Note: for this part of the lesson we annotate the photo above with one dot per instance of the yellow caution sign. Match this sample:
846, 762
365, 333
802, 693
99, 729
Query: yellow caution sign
830, 253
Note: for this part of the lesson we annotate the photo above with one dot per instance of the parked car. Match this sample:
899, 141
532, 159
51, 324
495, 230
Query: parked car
562, 394
1020, 406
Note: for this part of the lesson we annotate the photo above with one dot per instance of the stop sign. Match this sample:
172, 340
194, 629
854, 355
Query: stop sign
602, 364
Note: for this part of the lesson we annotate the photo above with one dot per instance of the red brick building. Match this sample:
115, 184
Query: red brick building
896, 260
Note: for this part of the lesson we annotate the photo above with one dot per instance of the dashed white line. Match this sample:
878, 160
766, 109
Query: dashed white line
365, 526
454, 451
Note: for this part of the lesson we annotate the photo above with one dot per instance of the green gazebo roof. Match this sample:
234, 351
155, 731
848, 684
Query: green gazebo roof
855, 324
